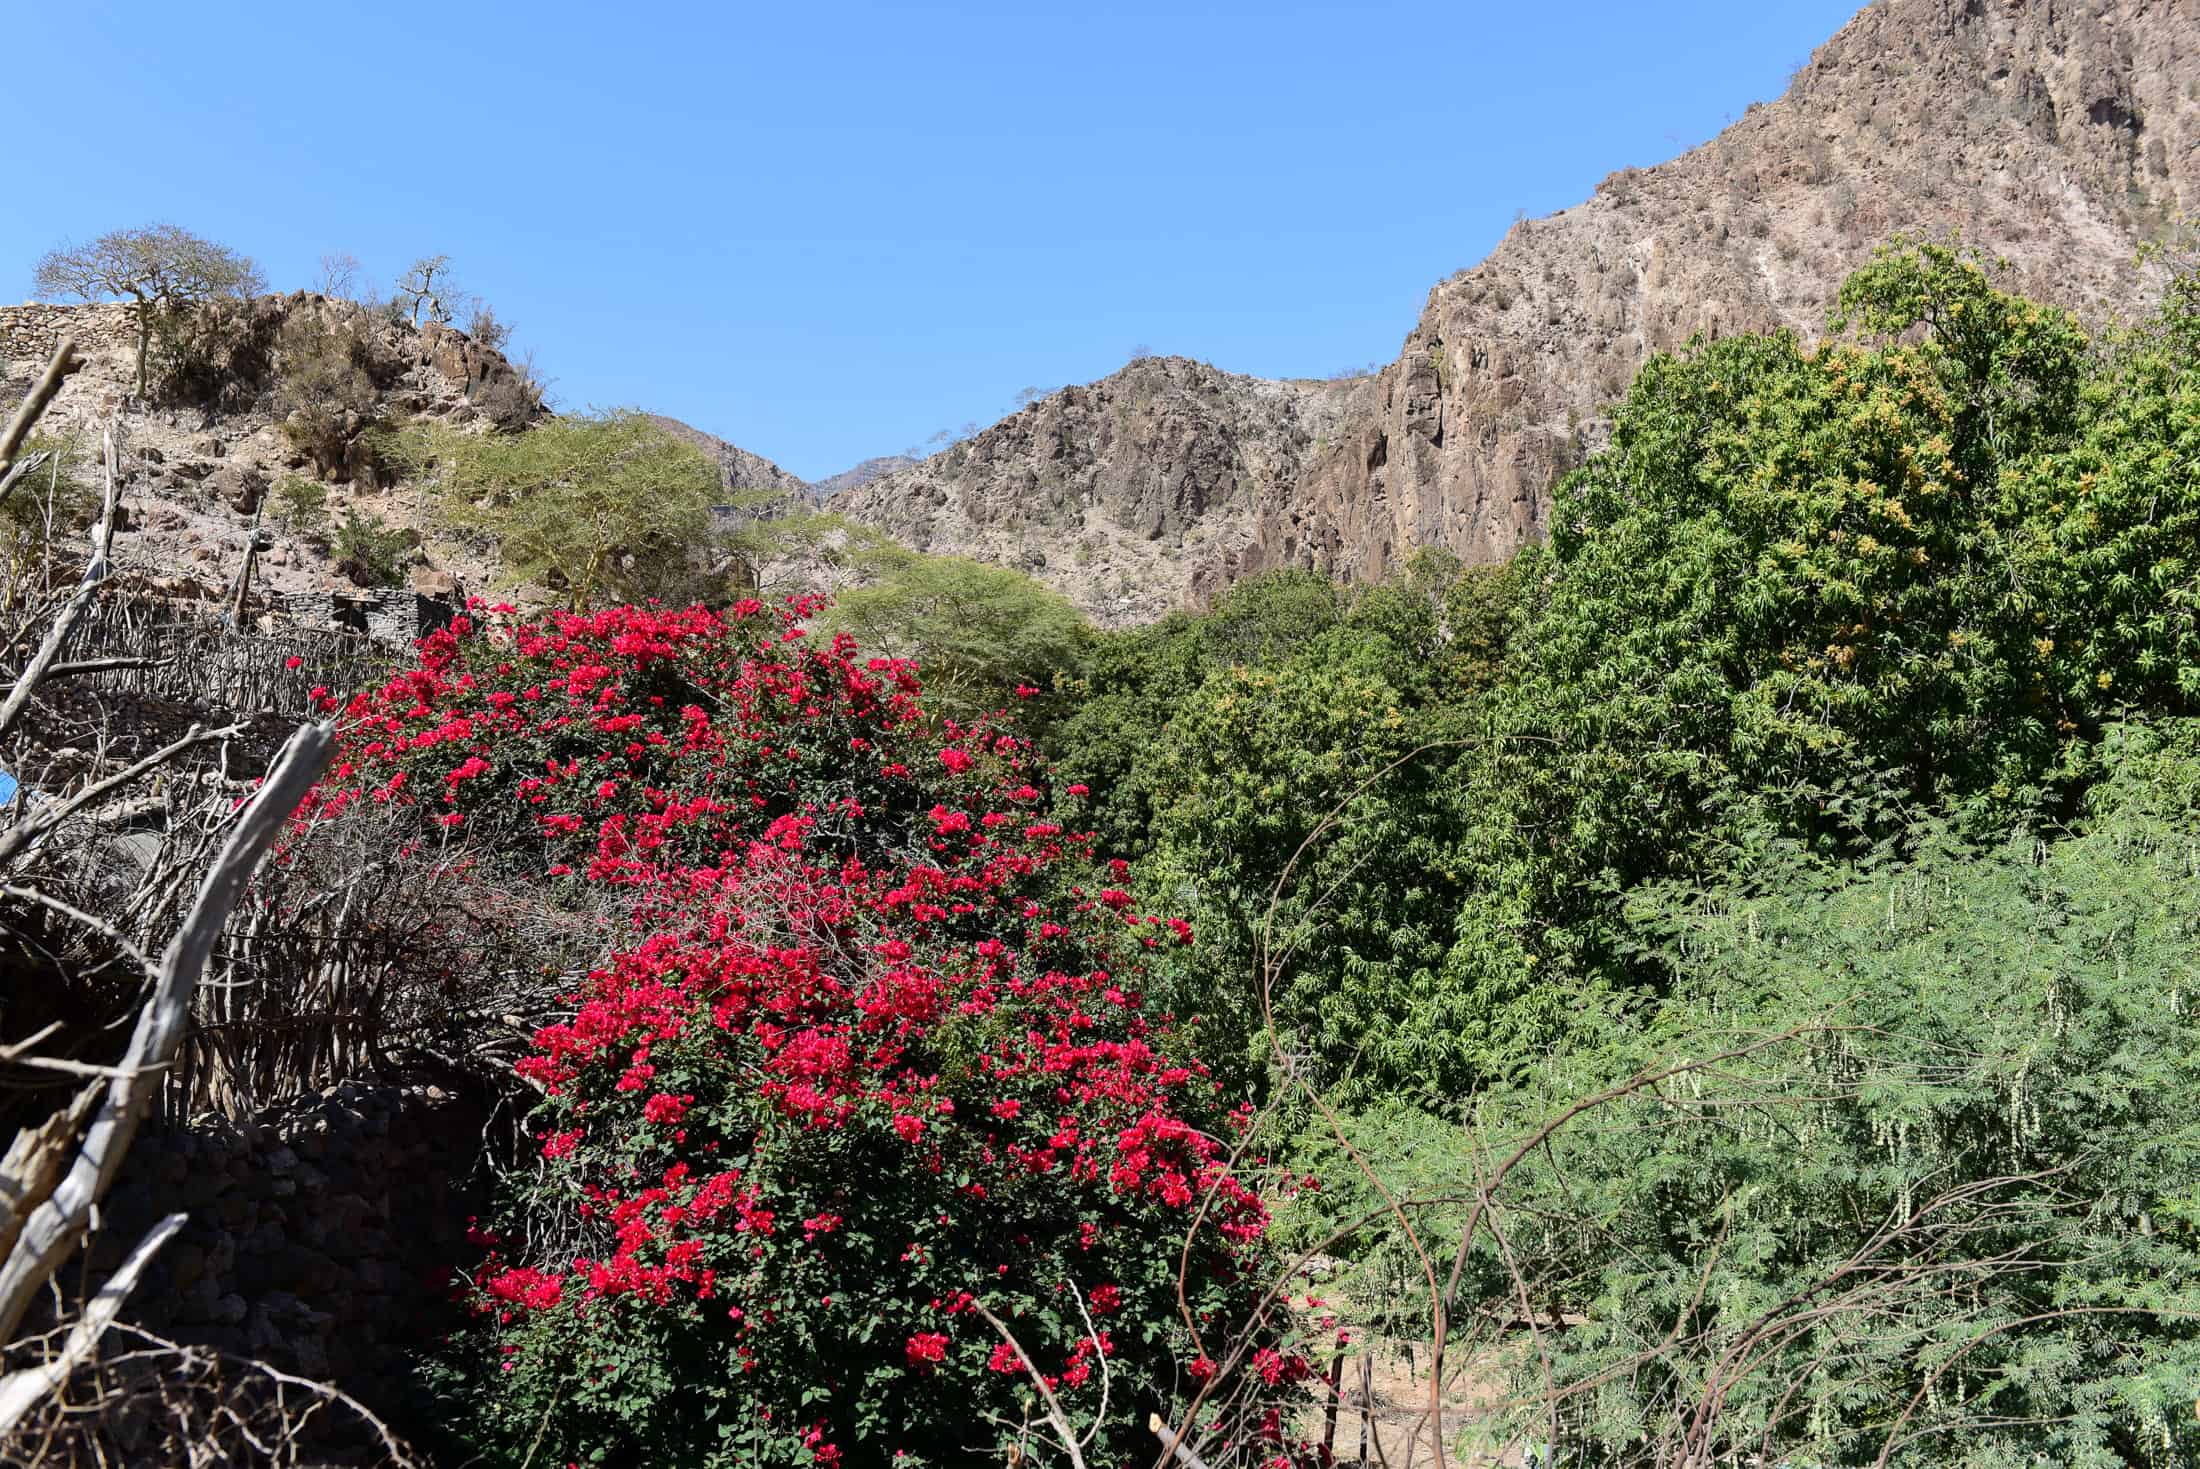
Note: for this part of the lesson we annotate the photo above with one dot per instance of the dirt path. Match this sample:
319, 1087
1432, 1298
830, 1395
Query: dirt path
1383, 1416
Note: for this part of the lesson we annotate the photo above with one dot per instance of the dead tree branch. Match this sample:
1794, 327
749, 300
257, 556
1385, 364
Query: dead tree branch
54, 1228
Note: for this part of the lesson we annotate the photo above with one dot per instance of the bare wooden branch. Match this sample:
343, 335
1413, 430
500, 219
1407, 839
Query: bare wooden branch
22, 1391
20, 471
149, 1400
53, 1230
103, 540
24, 834
1173, 1445
64, 362
103, 665
1060, 1420
35, 1161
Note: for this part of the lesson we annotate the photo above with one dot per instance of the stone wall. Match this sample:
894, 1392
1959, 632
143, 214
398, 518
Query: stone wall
321, 1235
67, 714
387, 615
29, 333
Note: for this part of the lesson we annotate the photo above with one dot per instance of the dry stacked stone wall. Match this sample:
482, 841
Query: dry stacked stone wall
321, 1236
123, 726
396, 615
29, 333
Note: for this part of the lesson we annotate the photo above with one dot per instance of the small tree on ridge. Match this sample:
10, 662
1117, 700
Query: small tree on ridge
160, 267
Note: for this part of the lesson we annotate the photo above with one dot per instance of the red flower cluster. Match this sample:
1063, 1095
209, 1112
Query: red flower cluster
876, 986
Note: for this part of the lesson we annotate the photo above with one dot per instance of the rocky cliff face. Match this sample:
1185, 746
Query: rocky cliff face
740, 469
2055, 134
863, 474
1135, 494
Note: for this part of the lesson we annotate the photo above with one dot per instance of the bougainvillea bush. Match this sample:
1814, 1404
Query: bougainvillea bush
873, 1064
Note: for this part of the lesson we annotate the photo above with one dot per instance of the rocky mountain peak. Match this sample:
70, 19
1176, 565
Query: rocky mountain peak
740, 469
2053, 135
1134, 494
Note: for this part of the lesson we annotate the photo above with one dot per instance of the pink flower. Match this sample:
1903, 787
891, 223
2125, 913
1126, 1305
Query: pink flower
926, 1348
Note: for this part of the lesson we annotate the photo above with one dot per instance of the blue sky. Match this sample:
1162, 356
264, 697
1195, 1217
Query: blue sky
825, 231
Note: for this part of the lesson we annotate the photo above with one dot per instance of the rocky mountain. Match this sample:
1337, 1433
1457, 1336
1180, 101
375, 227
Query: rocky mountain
863, 474
2055, 134
740, 469
1138, 493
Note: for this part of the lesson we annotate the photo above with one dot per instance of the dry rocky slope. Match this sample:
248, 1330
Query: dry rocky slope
193, 477
1132, 495
2058, 134
863, 474
738, 468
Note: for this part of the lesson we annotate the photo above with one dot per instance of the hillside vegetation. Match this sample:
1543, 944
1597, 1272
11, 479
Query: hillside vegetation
1703, 984
1721, 976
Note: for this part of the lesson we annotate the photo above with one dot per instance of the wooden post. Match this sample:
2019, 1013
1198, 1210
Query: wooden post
1367, 1402
1329, 1424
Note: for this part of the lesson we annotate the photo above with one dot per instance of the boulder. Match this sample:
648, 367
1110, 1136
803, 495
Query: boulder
240, 488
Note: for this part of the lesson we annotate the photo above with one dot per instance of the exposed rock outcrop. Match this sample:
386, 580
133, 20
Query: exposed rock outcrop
739, 469
2056, 135
1133, 495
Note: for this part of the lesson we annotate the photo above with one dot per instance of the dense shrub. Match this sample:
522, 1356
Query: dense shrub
1954, 1212
982, 631
42, 521
324, 384
301, 504
371, 553
211, 354
1296, 745
875, 1057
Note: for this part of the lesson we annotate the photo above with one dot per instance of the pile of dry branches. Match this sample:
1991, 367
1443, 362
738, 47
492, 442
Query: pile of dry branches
67, 1398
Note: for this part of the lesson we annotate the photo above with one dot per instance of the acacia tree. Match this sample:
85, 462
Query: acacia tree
591, 503
160, 267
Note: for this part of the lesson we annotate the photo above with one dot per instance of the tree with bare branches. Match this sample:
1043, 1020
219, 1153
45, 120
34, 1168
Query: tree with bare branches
427, 288
338, 275
163, 269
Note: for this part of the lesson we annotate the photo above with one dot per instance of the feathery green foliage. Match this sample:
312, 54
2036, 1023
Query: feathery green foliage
603, 505
980, 632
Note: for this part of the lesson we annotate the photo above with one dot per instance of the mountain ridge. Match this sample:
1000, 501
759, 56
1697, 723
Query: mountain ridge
2055, 137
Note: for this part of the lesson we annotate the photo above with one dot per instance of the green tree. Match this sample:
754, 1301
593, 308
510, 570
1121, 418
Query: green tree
371, 553
597, 506
1130, 686
165, 270
2114, 557
1303, 825
979, 632
1297, 744
1796, 589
